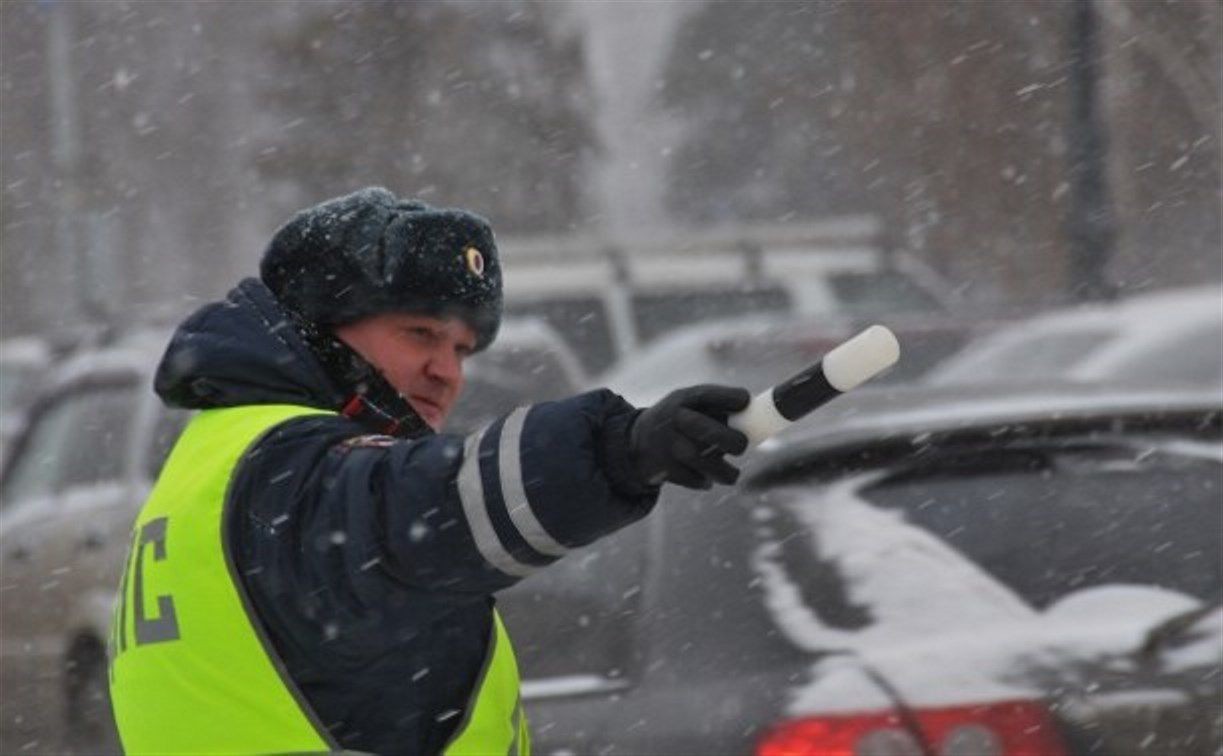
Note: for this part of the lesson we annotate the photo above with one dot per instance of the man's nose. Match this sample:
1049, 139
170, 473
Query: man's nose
446, 366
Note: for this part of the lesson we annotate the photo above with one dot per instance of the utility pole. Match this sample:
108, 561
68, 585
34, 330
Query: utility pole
66, 159
1091, 225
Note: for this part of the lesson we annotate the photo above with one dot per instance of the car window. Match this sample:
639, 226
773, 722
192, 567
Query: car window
17, 381
574, 618
1023, 356
869, 294
582, 321
657, 312
1195, 355
96, 448
32, 473
1047, 524
78, 440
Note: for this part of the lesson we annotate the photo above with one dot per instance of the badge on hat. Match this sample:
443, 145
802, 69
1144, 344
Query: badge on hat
475, 261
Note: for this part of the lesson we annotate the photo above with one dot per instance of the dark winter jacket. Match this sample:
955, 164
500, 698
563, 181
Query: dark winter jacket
372, 561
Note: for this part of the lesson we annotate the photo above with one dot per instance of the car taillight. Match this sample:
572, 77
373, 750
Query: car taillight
1007, 728
847, 735
1010, 728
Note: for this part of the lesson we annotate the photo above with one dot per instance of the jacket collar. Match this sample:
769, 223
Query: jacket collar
247, 349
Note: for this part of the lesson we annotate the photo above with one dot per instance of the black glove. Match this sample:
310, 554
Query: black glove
682, 439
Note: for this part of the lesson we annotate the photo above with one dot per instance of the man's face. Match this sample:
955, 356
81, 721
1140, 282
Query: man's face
421, 356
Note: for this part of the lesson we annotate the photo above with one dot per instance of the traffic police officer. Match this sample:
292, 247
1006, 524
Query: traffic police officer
314, 569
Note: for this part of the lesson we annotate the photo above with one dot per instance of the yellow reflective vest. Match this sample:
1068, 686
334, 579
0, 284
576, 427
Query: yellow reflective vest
191, 670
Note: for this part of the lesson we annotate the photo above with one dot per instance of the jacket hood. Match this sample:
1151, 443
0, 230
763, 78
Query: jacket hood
243, 350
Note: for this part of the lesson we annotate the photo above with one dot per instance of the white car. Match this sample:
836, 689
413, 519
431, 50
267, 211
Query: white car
611, 297
1168, 336
77, 473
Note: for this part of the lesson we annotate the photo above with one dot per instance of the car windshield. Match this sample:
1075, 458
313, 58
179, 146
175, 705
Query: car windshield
658, 312
998, 532
1023, 356
868, 294
1194, 355
78, 440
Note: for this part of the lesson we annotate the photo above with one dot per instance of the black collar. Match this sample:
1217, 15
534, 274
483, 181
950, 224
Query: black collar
369, 397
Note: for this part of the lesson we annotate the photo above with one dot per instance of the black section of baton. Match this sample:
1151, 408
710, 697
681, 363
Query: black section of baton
804, 392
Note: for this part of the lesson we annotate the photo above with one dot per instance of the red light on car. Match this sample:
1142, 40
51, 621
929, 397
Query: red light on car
1009, 728
840, 736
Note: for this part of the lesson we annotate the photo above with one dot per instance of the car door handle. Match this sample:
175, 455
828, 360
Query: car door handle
19, 554
92, 542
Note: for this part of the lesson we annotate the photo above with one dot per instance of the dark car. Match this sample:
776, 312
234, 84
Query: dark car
907, 572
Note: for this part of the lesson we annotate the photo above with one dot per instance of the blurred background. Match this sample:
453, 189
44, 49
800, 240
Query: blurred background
1027, 192
1023, 151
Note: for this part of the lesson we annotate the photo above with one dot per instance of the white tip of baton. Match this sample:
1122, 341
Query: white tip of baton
861, 358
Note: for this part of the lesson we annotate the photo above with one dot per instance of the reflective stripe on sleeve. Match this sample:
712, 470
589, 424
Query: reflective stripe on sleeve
471, 495
510, 467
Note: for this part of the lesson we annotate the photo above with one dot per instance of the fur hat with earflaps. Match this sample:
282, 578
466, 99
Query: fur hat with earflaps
370, 252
